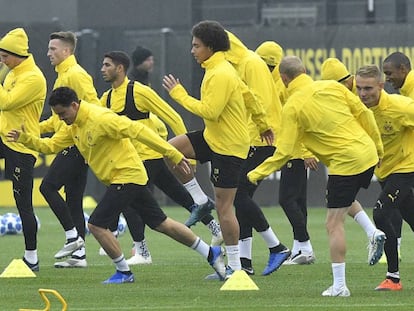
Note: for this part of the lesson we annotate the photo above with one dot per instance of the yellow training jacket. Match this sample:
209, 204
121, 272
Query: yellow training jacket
332, 123
146, 100
221, 106
254, 72
407, 88
299, 151
395, 118
104, 140
22, 97
4, 70
71, 74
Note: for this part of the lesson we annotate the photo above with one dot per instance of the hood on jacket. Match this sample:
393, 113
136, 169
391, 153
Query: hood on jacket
237, 49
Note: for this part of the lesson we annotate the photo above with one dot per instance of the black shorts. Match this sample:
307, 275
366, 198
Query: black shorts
341, 191
18, 166
225, 170
396, 188
119, 196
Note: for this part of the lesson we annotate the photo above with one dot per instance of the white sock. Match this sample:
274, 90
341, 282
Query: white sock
121, 264
141, 248
196, 192
245, 246
270, 238
338, 272
201, 247
233, 257
398, 243
365, 222
395, 275
214, 228
295, 248
31, 256
71, 234
305, 247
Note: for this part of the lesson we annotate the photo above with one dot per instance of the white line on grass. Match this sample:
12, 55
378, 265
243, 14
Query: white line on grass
263, 307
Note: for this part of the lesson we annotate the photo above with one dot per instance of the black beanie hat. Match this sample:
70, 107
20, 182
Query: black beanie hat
140, 55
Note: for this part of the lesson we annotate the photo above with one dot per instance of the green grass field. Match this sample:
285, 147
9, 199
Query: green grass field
175, 280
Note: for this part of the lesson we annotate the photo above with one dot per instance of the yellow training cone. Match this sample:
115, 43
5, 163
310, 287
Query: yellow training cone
17, 269
239, 280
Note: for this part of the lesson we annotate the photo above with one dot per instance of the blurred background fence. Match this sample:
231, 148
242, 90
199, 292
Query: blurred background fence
357, 31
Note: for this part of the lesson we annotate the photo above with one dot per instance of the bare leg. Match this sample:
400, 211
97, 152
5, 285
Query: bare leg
335, 220
107, 240
354, 209
183, 144
336, 233
177, 231
226, 214
229, 225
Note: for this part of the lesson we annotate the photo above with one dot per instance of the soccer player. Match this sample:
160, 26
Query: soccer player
272, 53
334, 69
104, 140
395, 118
341, 132
225, 140
69, 169
254, 72
143, 65
140, 102
22, 97
293, 175
398, 72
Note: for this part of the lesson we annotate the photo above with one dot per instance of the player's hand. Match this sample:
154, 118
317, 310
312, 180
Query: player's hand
268, 136
311, 163
14, 135
169, 82
254, 182
183, 166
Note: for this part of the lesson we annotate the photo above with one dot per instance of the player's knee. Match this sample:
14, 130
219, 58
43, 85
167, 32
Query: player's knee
382, 216
45, 188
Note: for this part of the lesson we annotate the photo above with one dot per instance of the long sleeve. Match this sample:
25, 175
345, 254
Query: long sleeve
122, 127
214, 101
288, 136
256, 110
148, 99
366, 119
56, 143
21, 95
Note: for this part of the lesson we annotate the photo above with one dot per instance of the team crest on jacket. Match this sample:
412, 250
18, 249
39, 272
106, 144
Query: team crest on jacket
388, 126
12, 85
89, 138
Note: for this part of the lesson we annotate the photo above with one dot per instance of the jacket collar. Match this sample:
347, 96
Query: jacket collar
213, 60
66, 64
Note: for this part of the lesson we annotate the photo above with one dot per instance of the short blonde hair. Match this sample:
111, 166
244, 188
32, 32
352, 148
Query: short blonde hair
370, 71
